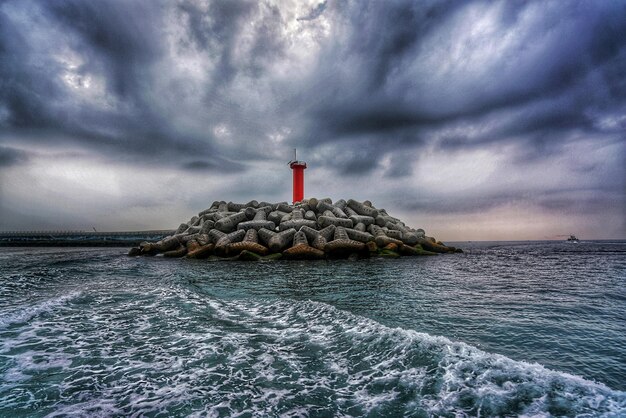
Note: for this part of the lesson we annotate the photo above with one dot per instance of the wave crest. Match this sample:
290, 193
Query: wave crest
190, 354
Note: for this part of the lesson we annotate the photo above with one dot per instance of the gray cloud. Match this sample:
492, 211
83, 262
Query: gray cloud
315, 12
363, 89
11, 156
584, 48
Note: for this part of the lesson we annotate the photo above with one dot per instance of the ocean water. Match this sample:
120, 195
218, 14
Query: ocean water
522, 328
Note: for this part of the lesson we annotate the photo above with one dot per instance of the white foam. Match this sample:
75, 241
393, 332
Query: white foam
26, 314
93, 408
261, 357
490, 382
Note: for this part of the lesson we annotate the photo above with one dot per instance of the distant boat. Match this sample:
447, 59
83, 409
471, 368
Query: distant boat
572, 238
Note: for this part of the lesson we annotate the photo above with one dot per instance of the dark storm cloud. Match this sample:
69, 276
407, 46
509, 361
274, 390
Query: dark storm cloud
123, 41
119, 42
23, 92
357, 84
362, 88
215, 30
586, 51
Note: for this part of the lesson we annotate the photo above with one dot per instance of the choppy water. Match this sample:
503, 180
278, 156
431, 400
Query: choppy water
504, 329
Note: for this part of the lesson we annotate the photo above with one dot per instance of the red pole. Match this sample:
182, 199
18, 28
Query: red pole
298, 180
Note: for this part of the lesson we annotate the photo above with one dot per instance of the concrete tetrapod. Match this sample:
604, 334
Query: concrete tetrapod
301, 250
166, 244
276, 216
196, 250
429, 245
229, 223
361, 209
297, 221
318, 239
259, 221
281, 240
326, 220
179, 252
360, 227
220, 245
381, 238
406, 236
342, 245
323, 206
250, 243
359, 236
265, 235
393, 233
215, 235
361, 219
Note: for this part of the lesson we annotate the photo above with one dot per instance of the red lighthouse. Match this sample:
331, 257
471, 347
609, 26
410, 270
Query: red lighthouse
298, 178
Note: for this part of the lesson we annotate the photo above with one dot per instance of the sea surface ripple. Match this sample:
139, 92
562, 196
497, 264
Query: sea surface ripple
505, 329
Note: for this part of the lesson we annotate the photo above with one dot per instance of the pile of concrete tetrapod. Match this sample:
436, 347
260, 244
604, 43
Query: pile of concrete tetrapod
309, 230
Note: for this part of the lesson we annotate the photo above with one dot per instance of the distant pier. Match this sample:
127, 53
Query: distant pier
79, 238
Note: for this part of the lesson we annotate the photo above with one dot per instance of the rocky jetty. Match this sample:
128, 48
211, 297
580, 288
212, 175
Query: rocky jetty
309, 230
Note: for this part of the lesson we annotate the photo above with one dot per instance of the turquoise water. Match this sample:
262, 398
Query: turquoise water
504, 329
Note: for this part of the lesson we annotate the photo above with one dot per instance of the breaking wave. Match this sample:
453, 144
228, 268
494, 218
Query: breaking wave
203, 356
25, 314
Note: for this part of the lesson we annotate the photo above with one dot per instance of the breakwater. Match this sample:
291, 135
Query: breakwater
79, 238
309, 230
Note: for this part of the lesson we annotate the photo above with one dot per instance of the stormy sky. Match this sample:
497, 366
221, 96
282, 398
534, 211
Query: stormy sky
470, 119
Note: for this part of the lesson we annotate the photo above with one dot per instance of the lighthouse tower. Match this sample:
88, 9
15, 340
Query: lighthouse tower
298, 168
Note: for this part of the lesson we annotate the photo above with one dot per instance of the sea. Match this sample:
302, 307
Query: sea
504, 329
